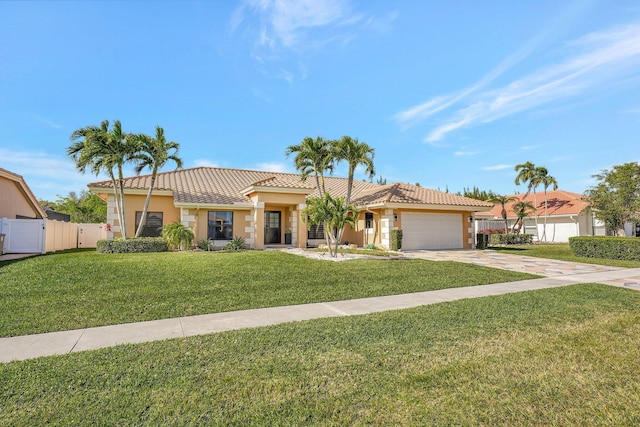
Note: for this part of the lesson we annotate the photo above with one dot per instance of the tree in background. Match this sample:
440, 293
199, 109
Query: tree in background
502, 201
615, 199
86, 208
546, 181
104, 150
381, 180
153, 153
532, 175
477, 194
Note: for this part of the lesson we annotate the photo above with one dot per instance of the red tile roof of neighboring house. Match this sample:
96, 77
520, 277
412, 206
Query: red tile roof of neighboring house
559, 202
207, 185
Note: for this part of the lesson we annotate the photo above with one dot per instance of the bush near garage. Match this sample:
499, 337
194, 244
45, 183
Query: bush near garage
396, 240
129, 246
624, 248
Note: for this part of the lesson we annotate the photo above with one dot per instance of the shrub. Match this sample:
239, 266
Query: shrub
511, 239
205, 244
492, 231
371, 246
135, 245
625, 248
396, 240
236, 244
482, 240
178, 235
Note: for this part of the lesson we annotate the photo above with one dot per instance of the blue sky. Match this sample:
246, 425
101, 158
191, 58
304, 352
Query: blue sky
451, 94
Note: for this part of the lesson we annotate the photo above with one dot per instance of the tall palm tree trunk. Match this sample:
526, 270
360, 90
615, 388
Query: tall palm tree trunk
121, 185
143, 219
544, 232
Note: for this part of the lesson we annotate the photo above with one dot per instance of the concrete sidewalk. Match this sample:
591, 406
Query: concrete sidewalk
32, 346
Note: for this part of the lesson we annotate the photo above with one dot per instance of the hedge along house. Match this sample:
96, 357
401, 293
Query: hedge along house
265, 208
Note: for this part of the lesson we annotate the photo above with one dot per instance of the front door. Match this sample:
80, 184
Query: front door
272, 227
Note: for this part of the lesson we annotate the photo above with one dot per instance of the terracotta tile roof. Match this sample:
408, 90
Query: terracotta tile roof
284, 181
225, 186
559, 202
407, 193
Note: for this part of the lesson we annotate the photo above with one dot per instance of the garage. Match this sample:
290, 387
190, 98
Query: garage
431, 231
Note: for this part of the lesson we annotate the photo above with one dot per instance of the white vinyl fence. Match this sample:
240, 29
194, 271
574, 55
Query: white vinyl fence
44, 235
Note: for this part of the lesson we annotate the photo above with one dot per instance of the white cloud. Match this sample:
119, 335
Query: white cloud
460, 153
47, 175
274, 167
282, 31
205, 163
497, 167
285, 22
49, 123
593, 64
600, 59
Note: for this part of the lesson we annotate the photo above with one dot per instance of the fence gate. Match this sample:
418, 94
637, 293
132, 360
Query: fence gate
23, 236
89, 234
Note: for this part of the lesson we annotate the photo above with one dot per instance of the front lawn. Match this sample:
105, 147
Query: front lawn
83, 289
564, 356
561, 251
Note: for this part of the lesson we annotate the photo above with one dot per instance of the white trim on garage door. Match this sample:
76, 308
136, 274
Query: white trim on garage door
422, 230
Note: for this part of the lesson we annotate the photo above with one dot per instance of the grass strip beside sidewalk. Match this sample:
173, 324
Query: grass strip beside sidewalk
84, 289
564, 356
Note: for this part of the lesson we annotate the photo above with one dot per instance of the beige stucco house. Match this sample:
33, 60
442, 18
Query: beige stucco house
17, 200
219, 204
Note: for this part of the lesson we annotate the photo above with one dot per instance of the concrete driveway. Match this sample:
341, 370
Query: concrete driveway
525, 264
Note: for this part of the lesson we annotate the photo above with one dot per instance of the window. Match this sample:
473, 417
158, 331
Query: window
153, 225
368, 220
315, 231
220, 225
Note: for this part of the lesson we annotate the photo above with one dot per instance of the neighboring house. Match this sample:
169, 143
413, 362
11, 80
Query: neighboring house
219, 204
22, 219
568, 215
55, 215
17, 200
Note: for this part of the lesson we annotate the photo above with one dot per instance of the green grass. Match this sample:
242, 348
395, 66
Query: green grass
561, 252
83, 289
564, 356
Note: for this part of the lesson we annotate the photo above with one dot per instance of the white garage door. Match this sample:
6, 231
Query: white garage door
431, 231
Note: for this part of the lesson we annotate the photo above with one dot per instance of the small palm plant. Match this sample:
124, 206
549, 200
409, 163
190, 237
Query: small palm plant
178, 235
235, 244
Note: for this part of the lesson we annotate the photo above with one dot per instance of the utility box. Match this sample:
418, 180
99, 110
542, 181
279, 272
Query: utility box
2, 243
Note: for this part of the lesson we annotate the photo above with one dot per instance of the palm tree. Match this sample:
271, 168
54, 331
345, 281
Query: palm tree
355, 153
502, 201
153, 153
531, 175
522, 210
334, 214
547, 181
313, 156
101, 149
